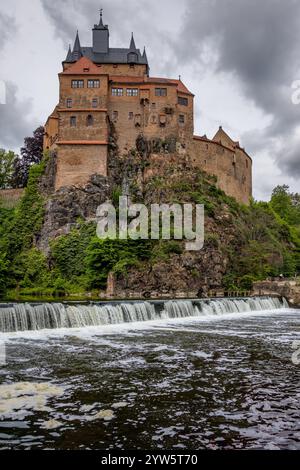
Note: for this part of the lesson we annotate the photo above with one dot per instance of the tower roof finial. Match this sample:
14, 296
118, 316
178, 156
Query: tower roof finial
101, 15
132, 46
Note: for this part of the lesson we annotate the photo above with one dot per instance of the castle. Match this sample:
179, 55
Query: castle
102, 86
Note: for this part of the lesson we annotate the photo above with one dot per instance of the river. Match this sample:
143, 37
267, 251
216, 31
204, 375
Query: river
150, 375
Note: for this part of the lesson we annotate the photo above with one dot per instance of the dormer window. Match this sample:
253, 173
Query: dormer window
86, 70
132, 58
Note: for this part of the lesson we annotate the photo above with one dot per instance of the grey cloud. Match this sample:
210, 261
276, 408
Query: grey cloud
70, 15
291, 157
257, 42
123, 17
14, 121
7, 26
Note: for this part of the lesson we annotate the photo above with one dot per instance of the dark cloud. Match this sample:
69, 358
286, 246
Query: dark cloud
7, 26
258, 43
14, 121
69, 15
123, 18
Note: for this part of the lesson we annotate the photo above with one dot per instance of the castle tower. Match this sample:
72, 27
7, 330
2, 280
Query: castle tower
100, 37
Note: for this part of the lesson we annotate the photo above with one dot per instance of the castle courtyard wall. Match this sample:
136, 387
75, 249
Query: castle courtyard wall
233, 168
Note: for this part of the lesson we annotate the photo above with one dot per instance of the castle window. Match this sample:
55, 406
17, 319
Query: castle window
153, 119
247, 164
115, 66
69, 103
132, 58
94, 102
77, 84
89, 120
73, 121
132, 92
183, 101
153, 105
86, 69
115, 115
117, 91
130, 115
181, 119
93, 83
160, 92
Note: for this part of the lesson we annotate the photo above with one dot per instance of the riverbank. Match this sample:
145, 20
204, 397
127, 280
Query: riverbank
290, 289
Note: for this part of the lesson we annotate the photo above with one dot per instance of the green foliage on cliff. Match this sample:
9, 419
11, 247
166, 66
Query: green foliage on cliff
18, 230
268, 245
257, 241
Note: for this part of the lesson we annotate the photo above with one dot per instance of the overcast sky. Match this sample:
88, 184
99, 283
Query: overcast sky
239, 57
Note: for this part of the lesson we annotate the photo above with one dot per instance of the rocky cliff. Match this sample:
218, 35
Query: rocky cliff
239, 240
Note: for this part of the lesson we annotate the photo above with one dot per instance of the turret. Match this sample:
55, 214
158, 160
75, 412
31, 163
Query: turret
132, 55
77, 52
100, 37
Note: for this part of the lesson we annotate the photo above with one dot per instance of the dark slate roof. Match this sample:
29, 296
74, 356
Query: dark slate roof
114, 56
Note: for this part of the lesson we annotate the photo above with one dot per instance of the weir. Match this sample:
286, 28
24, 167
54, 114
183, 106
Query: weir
25, 316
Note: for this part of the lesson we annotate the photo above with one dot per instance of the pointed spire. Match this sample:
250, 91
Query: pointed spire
69, 55
145, 55
77, 52
101, 19
132, 46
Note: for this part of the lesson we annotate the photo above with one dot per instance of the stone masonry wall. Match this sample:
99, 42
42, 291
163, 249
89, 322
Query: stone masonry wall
76, 164
232, 168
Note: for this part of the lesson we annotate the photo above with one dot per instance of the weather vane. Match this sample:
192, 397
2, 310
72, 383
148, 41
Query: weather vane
101, 12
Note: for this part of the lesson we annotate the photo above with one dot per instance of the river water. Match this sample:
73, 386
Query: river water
193, 377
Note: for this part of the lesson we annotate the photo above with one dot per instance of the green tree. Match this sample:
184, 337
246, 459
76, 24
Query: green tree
286, 204
7, 161
4, 265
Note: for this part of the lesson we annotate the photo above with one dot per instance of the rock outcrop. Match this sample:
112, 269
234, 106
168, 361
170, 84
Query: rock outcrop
283, 287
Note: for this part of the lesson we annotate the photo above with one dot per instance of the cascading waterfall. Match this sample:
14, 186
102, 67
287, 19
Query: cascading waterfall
23, 317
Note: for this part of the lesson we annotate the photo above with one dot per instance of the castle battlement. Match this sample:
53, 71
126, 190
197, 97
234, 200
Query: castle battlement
101, 87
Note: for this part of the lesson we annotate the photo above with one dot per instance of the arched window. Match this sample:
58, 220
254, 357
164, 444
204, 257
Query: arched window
90, 120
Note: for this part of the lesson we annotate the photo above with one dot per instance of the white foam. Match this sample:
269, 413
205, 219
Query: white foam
19, 398
92, 333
